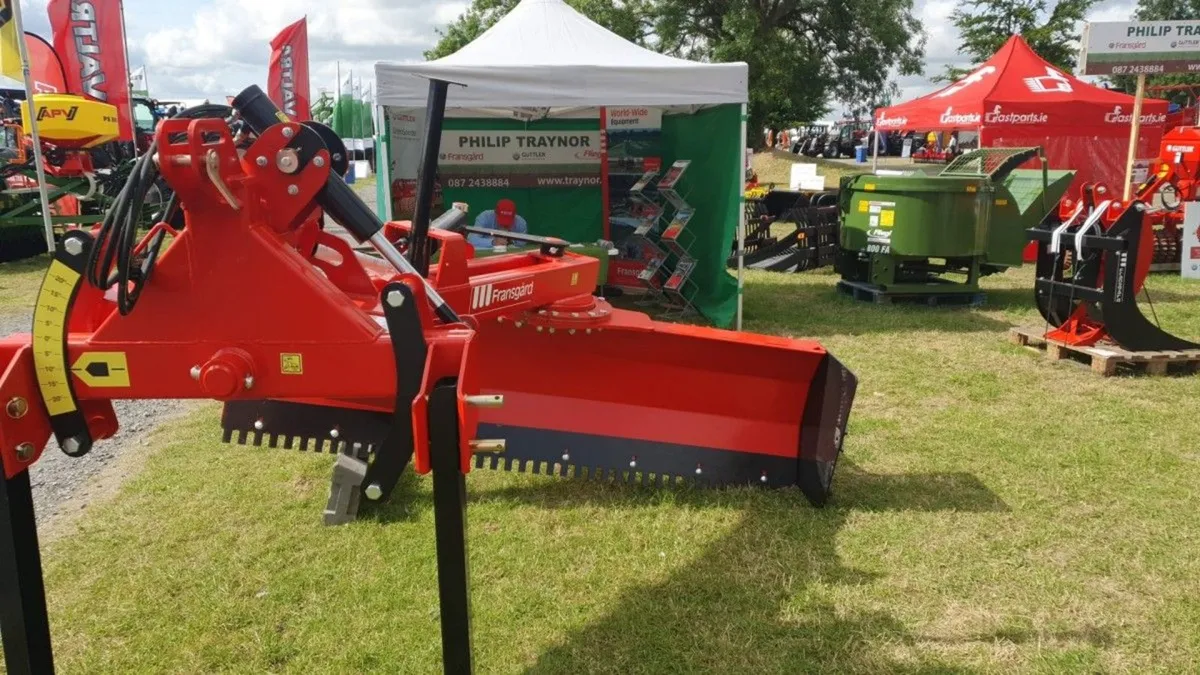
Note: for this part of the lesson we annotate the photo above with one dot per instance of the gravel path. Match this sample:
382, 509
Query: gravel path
65, 485
59, 481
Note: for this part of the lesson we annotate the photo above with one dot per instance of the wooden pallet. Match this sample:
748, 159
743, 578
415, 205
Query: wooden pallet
1108, 359
869, 293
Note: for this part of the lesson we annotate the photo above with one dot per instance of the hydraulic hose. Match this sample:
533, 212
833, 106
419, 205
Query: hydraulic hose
111, 260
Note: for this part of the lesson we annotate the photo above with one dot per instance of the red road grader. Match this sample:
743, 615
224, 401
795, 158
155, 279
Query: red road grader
503, 362
1093, 260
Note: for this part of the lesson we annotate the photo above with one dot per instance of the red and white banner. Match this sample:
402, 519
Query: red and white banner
90, 39
287, 80
45, 69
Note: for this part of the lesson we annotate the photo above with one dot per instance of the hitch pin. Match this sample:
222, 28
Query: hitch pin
212, 162
488, 446
485, 401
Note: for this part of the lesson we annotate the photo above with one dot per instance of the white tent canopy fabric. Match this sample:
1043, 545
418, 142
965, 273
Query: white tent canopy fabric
544, 53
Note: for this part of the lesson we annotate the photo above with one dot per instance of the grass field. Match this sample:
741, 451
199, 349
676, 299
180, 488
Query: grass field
993, 512
774, 167
19, 282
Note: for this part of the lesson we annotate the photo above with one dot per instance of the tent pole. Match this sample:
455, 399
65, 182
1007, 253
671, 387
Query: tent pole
741, 228
875, 151
1135, 128
383, 160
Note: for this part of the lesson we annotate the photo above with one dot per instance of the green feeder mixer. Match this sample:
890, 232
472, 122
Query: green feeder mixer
932, 237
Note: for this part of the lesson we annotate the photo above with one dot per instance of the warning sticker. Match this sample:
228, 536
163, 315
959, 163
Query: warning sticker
887, 218
863, 206
291, 364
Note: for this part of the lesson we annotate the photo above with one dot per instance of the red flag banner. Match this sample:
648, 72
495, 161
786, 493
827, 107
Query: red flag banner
44, 67
89, 38
287, 80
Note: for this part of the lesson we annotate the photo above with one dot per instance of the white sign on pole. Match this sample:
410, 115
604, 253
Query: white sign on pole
634, 118
1140, 48
406, 131
1190, 265
804, 177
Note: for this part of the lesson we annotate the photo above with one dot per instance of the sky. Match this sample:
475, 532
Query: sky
208, 49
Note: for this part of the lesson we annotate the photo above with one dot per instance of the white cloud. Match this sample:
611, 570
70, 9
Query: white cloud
222, 46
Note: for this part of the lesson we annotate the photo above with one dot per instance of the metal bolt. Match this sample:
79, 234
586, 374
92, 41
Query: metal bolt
334, 433
571, 332
17, 407
287, 161
552, 331
520, 324
373, 492
288, 132
195, 372
764, 477
589, 331
73, 246
293, 190
25, 451
258, 425
395, 299
261, 161
698, 470
318, 162
541, 328
249, 381
337, 157
71, 446
633, 463
485, 401
566, 456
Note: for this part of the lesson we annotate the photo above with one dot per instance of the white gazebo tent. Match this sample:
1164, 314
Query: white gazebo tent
544, 54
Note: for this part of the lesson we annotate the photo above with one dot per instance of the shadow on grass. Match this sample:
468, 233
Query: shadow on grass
809, 304
752, 601
1010, 298
743, 605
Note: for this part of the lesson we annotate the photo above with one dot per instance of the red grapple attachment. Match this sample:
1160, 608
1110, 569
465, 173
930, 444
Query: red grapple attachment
1092, 265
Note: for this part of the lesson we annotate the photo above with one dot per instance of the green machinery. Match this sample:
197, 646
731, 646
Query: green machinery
22, 233
936, 235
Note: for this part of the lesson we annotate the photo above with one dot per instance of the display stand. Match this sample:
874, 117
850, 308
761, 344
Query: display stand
650, 212
678, 291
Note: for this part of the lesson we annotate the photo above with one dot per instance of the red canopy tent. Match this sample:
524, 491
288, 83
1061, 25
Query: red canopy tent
1018, 99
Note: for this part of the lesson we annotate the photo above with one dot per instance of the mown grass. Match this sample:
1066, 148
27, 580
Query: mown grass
775, 167
994, 512
19, 282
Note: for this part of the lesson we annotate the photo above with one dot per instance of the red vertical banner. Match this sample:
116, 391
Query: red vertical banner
287, 79
45, 69
89, 37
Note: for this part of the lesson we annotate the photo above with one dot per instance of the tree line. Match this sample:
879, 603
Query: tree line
805, 53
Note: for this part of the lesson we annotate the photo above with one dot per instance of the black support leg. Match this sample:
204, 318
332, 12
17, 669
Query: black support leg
24, 625
450, 518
